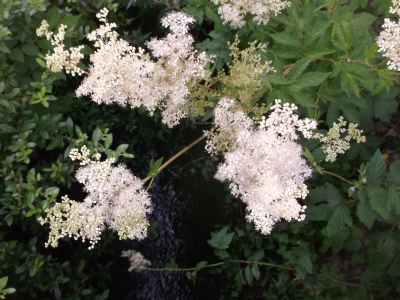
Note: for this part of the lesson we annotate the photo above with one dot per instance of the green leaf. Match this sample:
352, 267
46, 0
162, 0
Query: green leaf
122, 148
248, 275
30, 49
30, 213
340, 216
9, 219
53, 17
3, 282
211, 14
256, 271
301, 98
376, 168
394, 173
257, 256
70, 126
366, 215
305, 263
298, 67
310, 79
378, 201
393, 198
7, 128
54, 144
361, 21
4, 49
221, 239
17, 55
96, 135
286, 39
196, 12
200, 265
41, 63
52, 191
384, 109
30, 177
9, 291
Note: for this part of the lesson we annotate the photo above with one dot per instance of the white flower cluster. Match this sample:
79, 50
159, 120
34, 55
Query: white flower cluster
389, 39
234, 11
333, 144
115, 198
228, 123
61, 59
120, 73
266, 169
136, 259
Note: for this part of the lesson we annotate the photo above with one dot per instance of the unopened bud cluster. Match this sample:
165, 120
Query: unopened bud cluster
334, 143
61, 59
115, 198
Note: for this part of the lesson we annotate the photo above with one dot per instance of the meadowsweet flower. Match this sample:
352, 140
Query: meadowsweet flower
234, 11
136, 259
389, 39
265, 167
61, 59
333, 143
126, 75
115, 198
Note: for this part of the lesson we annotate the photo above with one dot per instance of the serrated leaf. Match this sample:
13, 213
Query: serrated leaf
305, 263
378, 201
384, 109
375, 168
394, 173
286, 39
393, 198
301, 98
361, 21
298, 67
310, 79
366, 215
340, 216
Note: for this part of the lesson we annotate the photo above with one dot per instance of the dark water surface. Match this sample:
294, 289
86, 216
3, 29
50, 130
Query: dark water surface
185, 209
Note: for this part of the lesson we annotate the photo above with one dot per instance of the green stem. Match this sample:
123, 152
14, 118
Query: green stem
249, 263
377, 65
175, 157
337, 176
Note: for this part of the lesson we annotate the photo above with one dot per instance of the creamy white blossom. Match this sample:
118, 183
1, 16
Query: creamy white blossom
136, 259
115, 198
234, 11
389, 39
126, 75
265, 168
